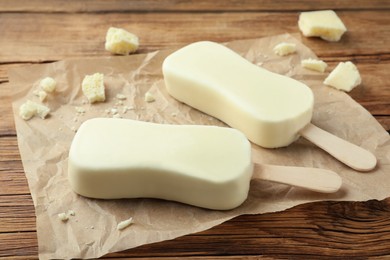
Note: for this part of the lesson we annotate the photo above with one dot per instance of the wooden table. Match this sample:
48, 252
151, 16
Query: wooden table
38, 31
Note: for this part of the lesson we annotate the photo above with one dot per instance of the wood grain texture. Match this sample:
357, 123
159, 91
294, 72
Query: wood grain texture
17, 214
47, 37
7, 125
374, 92
37, 31
317, 226
317, 230
200, 5
373, 60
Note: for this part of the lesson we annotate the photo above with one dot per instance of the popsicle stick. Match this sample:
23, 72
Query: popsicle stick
315, 179
350, 154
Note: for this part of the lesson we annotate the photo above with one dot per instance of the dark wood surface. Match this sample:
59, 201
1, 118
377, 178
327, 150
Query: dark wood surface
40, 31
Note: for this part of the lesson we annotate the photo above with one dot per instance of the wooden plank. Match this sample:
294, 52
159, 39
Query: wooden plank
81, 35
7, 126
324, 229
23, 200
16, 214
22, 244
9, 151
247, 257
4, 74
200, 5
12, 177
304, 229
13, 181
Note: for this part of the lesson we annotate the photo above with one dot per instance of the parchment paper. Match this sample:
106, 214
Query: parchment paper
92, 231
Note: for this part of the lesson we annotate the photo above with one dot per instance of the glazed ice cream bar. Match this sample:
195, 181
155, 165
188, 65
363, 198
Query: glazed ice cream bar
204, 166
270, 109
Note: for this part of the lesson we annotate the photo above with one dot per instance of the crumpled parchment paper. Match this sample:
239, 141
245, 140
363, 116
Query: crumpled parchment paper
92, 231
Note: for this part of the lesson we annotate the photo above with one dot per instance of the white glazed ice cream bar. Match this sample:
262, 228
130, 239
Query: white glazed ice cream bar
270, 109
205, 166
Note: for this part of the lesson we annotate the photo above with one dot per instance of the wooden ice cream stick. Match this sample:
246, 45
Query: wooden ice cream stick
350, 154
315, 179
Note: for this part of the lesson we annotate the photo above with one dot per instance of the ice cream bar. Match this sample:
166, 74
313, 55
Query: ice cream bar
270, 109
204, 166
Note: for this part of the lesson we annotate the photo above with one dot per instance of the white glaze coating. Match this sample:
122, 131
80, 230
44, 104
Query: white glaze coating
270, 109
205, 166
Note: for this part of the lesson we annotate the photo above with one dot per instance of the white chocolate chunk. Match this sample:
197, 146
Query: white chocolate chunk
284, 48
120, 97
63, 216
30, 109
42, 111
80, 110
27, 110
126, 108
119, 41
114, 111
149, 97
204, 166
48, 84
270, 109
344, 77
124, 224
325, 24
316, 65
93, 87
